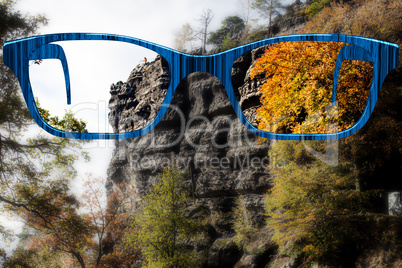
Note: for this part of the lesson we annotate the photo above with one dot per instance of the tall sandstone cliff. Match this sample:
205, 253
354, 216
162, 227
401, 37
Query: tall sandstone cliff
200, 135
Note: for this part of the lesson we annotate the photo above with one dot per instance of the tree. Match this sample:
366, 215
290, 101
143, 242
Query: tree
376, 148
311, 205
34, 259
228, 43
26, 160
88, 232
297, 93
316, 6
183, 38
68, 122
245, 8
243, 224
270, 8
53, 212
13, 24
35, 171
204, 19
317, 210
17, 158
110, 220
373, 18
163, 228
230, 31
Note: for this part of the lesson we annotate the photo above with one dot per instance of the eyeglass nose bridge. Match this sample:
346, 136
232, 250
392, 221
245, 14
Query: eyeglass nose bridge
219, 65
194, 63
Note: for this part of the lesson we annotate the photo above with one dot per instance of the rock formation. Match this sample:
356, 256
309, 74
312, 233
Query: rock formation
201, 135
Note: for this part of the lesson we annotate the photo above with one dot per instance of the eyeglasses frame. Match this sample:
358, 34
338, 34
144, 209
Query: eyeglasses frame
18, 53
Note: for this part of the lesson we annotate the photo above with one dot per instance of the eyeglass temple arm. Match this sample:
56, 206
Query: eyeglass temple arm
53, 51
350, 52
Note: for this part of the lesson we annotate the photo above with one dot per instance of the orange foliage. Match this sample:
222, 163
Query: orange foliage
110, 222
380, 19
93, 236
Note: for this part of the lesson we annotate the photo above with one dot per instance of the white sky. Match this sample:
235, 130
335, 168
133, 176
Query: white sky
152, 20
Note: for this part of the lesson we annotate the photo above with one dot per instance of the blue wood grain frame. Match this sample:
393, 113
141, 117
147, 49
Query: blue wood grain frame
17, 54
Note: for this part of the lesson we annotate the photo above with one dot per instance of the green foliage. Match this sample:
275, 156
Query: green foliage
265, 7
270, 8
32, 259
243, 224
232, 27
256, 35
14, 24
228, 43
34, 171
163, 229
311, 203
316, 6
17, 154
67, 123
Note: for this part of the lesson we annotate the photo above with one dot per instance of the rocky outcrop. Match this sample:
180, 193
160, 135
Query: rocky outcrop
134, 103
201, 135
292, 20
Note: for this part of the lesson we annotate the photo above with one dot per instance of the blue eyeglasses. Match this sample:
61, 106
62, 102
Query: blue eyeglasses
297, 87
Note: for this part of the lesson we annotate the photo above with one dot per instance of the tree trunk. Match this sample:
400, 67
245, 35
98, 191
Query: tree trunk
79, 258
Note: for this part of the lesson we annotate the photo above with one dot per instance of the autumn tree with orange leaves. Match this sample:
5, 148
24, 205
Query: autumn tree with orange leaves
110, 221
297, 94
88, 232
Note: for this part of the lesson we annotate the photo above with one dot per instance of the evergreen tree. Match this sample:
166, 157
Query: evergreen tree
269, 8
163, 228
230, 32
316, 6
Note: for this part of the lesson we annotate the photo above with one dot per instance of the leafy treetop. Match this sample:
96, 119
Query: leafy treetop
297, 88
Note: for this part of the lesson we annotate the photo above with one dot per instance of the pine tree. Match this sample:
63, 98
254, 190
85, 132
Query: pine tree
163, 228
269, 8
